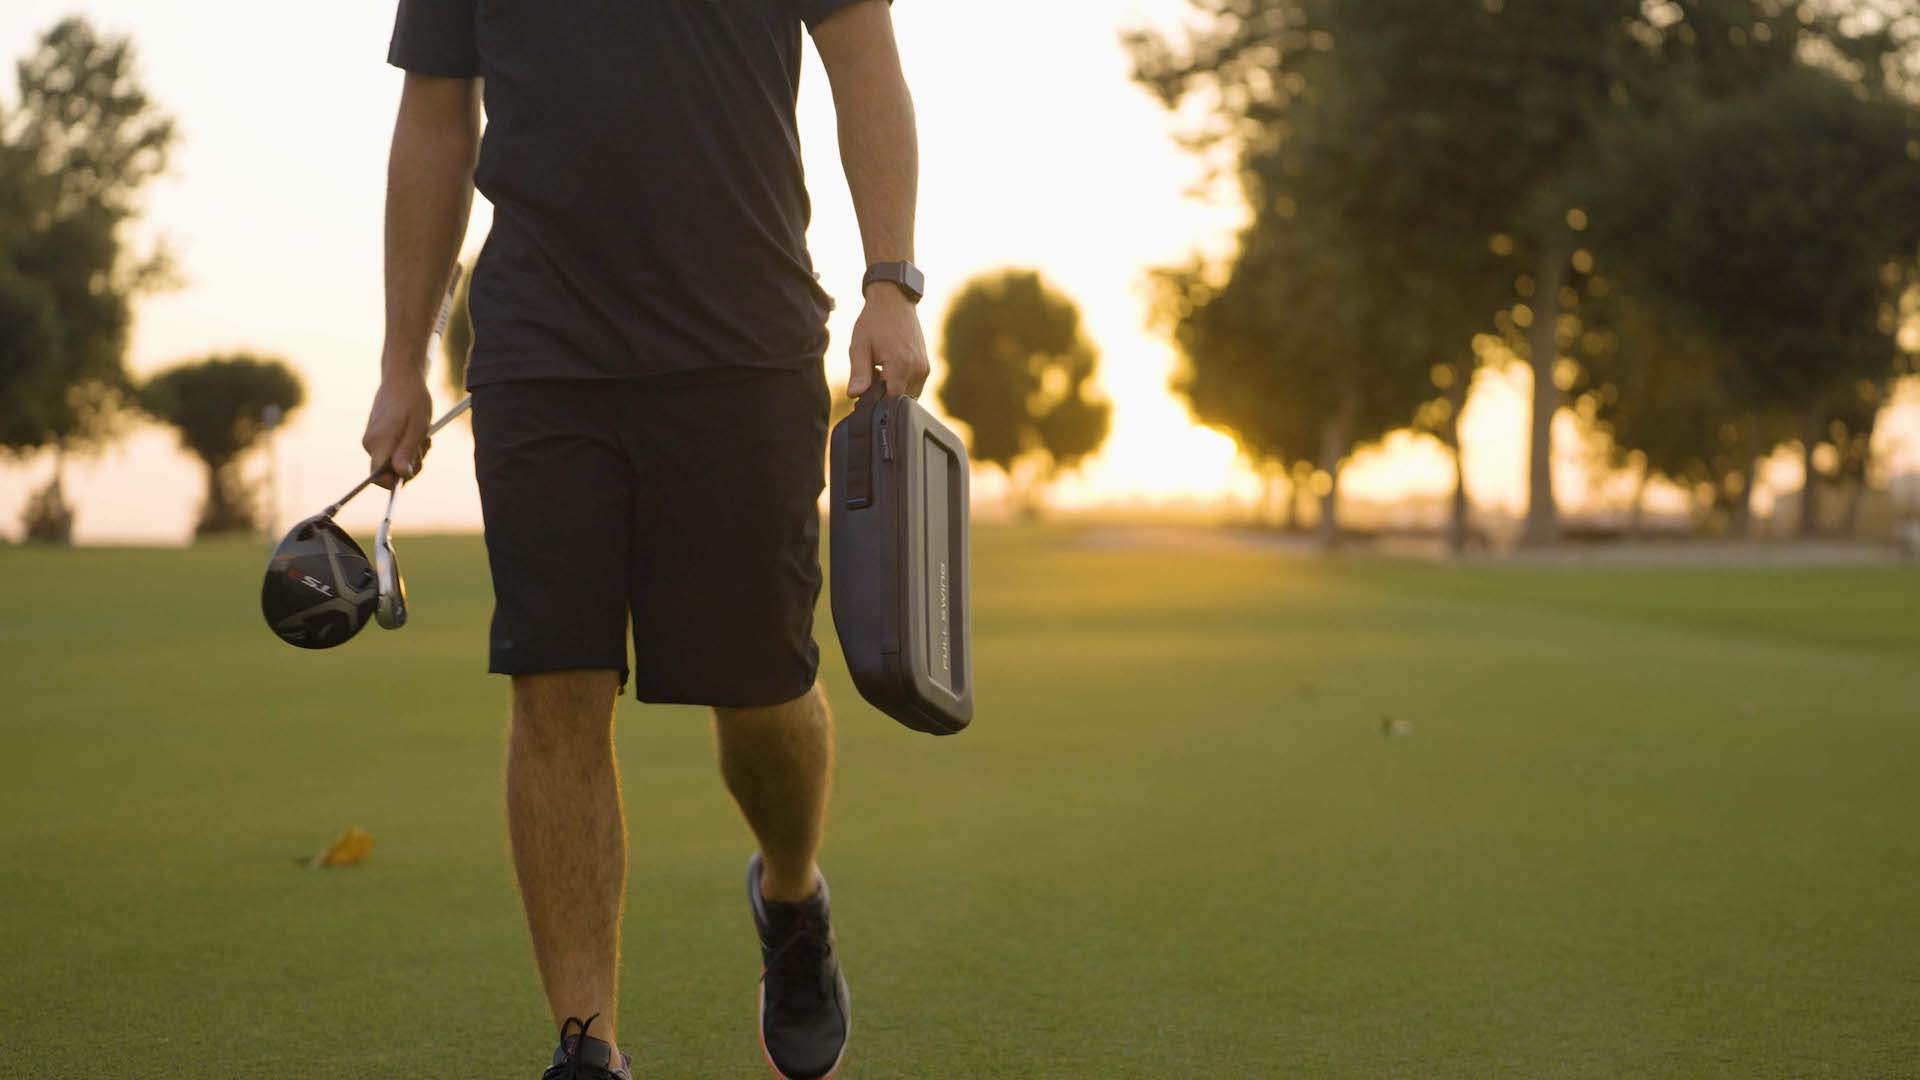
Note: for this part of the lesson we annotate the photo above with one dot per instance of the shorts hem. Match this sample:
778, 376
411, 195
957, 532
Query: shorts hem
545, 661
654, 695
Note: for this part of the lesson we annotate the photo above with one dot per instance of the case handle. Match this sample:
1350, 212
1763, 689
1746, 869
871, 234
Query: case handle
860, 445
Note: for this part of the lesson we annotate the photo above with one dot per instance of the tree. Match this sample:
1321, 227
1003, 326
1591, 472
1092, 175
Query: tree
1432, 137
1660, 394
1440, 417
1019, 375
1358, 131
1224, 338
76, 150
1783, 66
1778, 222
1850, 432
1299, 354
30, 349
218, 405
1532, 79
29, 356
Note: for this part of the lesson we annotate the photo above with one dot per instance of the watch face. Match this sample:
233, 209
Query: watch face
904, 274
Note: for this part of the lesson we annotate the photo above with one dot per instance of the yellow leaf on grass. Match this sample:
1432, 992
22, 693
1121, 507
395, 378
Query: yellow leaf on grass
349, 849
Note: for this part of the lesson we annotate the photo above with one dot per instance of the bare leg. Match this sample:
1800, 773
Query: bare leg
569, 838
778, 763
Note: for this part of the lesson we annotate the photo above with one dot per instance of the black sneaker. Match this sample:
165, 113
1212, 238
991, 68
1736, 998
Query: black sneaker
582, 1057
805, 1013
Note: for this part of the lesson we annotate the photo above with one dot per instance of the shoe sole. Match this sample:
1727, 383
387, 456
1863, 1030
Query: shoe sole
761, 1028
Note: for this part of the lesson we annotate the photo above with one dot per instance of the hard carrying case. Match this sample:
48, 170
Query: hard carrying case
901, 574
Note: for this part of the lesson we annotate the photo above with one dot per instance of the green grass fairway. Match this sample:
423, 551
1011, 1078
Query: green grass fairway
1646, 823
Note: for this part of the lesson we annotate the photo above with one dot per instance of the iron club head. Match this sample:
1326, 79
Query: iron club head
391, 609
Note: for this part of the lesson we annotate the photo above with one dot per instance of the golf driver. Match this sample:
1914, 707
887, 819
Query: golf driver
320, 587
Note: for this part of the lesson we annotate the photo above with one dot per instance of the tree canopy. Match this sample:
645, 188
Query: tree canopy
219, 406
1020, 371
77, 147
1776, 225
1426, 170
80, 143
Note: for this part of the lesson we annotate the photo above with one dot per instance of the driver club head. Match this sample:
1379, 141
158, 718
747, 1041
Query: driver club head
320, 588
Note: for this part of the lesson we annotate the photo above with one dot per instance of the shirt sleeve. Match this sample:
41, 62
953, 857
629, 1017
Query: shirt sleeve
436, 37
814, 12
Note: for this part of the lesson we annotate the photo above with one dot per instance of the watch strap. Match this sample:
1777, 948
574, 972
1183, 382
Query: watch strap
905, 275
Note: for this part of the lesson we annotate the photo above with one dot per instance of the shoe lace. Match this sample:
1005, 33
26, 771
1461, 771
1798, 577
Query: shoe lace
573, 1068
798, 966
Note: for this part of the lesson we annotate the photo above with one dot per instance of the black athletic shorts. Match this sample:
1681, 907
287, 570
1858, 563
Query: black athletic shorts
686, 503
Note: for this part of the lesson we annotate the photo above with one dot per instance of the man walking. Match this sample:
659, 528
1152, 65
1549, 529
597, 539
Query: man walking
649, 424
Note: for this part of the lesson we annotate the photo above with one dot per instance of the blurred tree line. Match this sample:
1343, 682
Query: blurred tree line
1694, 221
79, 143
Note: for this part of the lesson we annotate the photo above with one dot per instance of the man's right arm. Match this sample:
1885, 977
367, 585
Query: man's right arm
429, 198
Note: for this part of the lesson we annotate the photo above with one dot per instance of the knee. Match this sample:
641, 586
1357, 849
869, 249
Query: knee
561, 708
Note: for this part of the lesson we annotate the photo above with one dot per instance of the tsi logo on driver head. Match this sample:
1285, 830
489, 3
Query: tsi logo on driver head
311, 582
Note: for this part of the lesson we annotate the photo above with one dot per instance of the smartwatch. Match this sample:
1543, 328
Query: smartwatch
903, 274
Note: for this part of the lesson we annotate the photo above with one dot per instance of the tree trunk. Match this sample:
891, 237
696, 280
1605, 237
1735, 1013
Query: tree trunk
1269, 512
1850, 518
1296, 493
229, 506
1742, 525
1543, 519
48, 519
214, 513
1857, 491
1461, 510
1335, 439
1330, 511
1859, 470
1637, 512
1024, 487
60, 513
1809, 523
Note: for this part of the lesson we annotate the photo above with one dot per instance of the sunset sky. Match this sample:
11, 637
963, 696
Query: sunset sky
1037, 152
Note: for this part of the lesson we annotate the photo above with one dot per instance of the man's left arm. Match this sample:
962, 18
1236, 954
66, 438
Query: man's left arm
880, 149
